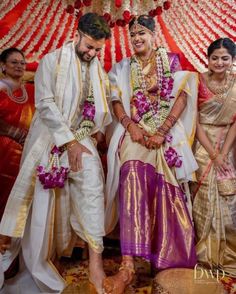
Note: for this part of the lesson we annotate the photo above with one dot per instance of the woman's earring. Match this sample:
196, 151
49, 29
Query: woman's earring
154, 45
230, 70
210, 72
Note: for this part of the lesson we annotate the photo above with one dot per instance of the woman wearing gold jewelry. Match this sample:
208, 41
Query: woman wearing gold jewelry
150, 156
214, 207
16, 111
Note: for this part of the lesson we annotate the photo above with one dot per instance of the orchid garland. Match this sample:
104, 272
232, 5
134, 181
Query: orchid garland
152, 114
88, 113
55, 175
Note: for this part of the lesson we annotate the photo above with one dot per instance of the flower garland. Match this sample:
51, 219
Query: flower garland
160, 38
87, 123
51, 15
51, 31
152, 114
62, 27
119, 12
55, 175
174, 26
7, 6
122, 42
16, 31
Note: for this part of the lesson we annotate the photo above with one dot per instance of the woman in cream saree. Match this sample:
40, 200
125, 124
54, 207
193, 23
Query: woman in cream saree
214, 207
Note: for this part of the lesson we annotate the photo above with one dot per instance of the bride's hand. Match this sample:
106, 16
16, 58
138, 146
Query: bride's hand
155, 141
137, 134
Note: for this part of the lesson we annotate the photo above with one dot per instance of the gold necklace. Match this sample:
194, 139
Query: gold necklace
18, 99
221, 91
146, 61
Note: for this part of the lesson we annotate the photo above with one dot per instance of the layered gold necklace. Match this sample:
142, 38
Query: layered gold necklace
221, 91
18, 99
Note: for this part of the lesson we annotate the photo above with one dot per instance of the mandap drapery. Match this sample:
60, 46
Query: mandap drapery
183, 26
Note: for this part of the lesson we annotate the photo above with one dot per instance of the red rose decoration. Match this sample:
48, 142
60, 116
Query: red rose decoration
70, 9
112, 24
158, 10
118, 3
107, 16
166, 5
152, 13
119, 22
126, 15
124, 23
87, 2
79, 14
78, 4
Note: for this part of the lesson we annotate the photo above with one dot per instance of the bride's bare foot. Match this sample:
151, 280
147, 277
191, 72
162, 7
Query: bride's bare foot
5, 243
118, 283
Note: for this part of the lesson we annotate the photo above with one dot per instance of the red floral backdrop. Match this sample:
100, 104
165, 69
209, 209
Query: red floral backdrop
183, 26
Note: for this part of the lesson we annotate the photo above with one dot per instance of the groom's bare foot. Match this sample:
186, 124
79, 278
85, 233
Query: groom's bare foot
96, 277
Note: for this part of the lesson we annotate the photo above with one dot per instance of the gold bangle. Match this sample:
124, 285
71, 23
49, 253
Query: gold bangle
71, 143
126, 122
160, 134
162, 130
172, 119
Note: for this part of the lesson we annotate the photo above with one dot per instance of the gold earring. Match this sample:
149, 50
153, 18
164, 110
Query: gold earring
210, 72
230, 70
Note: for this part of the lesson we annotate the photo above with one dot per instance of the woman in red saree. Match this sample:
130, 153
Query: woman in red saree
16, 111
214, 207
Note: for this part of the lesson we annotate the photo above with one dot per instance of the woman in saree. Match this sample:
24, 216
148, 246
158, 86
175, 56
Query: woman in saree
214, 206
16, 111
150, 157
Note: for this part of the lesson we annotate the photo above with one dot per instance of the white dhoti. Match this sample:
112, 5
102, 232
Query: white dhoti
87, 200
46, 221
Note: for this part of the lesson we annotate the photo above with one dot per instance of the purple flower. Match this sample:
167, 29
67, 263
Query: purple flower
55, 177
140, 95
172, 158
89, 110
168, 138
55, 150
141, 103
171, 81
166, 88
178, 162
163, 93
136, 118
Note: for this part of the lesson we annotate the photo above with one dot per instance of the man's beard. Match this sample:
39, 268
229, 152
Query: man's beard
82, 55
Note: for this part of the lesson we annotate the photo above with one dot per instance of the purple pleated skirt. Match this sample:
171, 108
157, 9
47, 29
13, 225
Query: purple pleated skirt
154, 220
